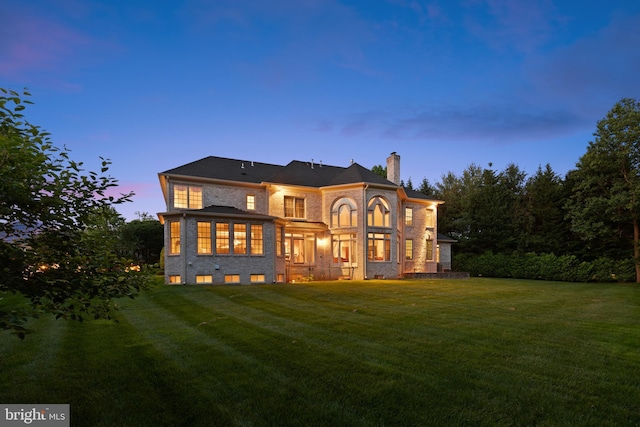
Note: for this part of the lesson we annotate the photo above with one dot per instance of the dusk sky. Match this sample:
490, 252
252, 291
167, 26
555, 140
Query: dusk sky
155, 84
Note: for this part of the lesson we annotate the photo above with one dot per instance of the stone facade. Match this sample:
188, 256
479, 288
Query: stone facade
236, 221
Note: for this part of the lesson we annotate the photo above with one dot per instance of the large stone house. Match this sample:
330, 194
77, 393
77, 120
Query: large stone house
240, 221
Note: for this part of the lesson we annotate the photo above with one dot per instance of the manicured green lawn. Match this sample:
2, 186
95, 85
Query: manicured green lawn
402, 353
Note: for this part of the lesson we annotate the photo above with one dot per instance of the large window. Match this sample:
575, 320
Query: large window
204, 238
187, 197
344, 248
300, 248
174, 237
379, 247
257, 239
240, 239
293, 207
222, 237
344, 213
378, 213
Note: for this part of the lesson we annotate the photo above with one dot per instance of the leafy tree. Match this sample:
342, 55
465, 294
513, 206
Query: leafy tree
57, 246
449, 189
142, 239
605, 203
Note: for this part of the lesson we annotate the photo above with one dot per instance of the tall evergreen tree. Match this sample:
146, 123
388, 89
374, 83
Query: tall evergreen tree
544, 227
426, 188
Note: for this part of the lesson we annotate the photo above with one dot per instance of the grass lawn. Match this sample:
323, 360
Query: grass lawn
399, 353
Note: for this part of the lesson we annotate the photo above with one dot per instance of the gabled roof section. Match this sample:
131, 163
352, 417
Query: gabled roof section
226, 169
357, 173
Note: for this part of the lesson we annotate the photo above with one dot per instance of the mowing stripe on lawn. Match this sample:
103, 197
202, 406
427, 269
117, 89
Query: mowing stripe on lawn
189, 348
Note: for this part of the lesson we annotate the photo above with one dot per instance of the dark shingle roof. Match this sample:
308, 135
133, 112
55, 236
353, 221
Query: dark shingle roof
295, 173
417, 195
445, 238
227, 169
229, 210
301, 173
357, 173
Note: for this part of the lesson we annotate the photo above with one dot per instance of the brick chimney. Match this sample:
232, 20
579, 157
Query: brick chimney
393, 168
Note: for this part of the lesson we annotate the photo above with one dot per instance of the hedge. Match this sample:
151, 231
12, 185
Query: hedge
545, 266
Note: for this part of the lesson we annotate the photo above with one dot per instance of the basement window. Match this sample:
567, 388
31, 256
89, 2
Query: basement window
231, 278
204, 278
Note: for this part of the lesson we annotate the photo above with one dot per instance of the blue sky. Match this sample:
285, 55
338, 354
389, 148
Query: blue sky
155, 84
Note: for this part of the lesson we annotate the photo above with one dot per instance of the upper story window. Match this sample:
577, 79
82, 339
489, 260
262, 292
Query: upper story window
251, 202
187, 197
344, 213
378, 213
408, 216
430, 218
293, 207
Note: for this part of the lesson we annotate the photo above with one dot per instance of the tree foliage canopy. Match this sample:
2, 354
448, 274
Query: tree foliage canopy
142, 239
56, 221
605, 201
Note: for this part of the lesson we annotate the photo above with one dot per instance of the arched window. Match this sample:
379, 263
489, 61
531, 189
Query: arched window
344, 213
378, 213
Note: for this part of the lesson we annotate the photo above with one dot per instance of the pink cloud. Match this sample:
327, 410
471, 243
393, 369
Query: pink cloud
142, 190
